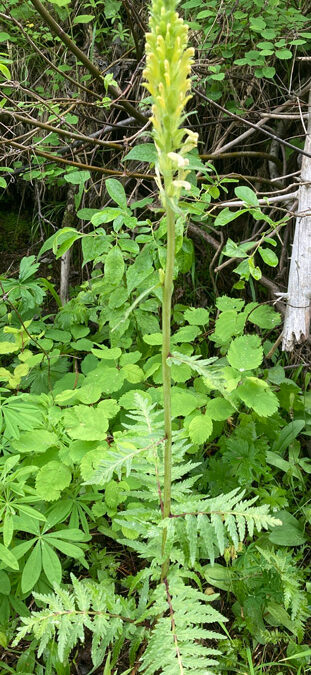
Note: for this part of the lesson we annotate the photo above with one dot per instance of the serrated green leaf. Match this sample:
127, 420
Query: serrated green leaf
256, 394
85, 423
245, 353
200, 428
51, 479
265, 317
197, 316
284, 54
35, 441
219, 409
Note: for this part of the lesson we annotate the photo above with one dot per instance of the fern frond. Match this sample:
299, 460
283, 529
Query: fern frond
282, 564
176, 646
214, 521
140, 438
194, 362
67, 614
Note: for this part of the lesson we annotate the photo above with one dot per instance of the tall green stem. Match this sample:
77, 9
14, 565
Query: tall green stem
166, 371
168, 67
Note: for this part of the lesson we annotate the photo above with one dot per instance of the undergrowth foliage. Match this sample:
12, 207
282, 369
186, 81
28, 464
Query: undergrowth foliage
166, 444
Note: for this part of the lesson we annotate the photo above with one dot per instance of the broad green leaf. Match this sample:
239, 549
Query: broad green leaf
133, 373
5, 71
200, 428
3, 183
89, 393
219, 409
51, 479
184, 401
185, 334
219, 576
77, 177
128, 400
257, 23
268, 71
141, 269
197, 316
246, 195
146, 152
35, 441
32, 569
27, 267
226, 326
68, 241
265, 316
94, 246
256, 394
106, 215
116, 191
226, 216
153, 339
109, 378
85, 423
225, 303
8, 347
290, 533
233, 250
106, 353
284, 54
114, 267
91, 461
83, 18
268, 256
245, 353
86, 214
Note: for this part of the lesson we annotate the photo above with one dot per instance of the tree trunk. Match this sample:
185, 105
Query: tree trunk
298, 309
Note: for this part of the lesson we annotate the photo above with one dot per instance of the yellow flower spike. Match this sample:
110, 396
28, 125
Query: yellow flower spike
168, 66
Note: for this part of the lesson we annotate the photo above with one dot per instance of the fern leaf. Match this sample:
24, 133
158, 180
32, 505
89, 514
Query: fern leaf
196, 364
191, 527
207, 536
177, 644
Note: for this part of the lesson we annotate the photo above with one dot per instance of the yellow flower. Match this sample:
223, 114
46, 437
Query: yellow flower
168, 66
